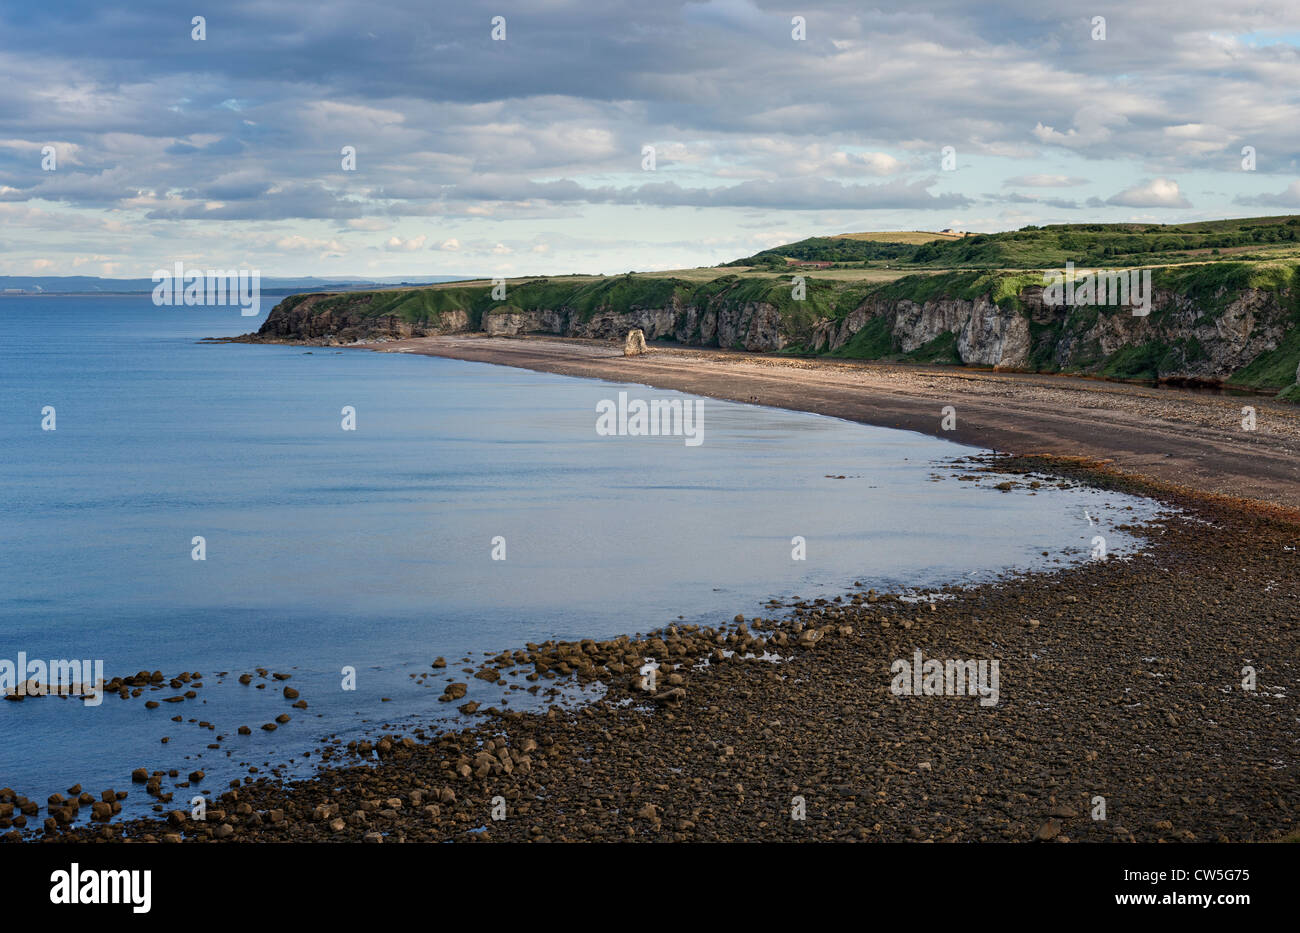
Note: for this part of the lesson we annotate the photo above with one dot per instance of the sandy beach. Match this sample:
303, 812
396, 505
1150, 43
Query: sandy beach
1182, 437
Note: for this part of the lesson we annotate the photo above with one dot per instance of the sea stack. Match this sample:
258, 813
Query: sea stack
635, 343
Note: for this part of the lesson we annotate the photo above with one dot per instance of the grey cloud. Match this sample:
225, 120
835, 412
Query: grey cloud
1061, 203
1044, 181
1289, 197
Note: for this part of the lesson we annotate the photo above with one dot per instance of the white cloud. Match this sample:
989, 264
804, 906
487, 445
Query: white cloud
1159, 192
396, 244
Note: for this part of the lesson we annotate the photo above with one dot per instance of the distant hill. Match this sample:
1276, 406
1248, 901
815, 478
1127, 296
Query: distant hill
900, 236
1102, 245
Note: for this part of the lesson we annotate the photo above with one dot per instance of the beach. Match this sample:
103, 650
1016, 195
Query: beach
1183, 437
1144, 699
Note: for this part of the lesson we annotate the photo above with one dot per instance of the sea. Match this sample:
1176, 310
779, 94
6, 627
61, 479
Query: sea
359, 515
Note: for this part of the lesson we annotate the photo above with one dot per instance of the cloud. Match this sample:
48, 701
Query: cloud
1044, 181
1289, 197
1159, 192
802, 193
1061, 203
1094, 125
310, 244
185, 147
395, 244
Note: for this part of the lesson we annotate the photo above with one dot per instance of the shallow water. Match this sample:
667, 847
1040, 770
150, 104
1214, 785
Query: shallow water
372, 549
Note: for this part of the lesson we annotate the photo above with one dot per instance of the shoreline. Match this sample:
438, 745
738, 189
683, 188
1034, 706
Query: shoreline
1107, 689
1114, 676
1184, 437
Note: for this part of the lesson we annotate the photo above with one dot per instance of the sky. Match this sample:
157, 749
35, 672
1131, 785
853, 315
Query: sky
526, 153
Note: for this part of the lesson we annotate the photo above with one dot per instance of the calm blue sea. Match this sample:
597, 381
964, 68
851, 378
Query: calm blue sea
372, 548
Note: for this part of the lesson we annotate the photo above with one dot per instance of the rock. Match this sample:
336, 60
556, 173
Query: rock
634, 345
809, 637
1048, 831
140, 775
196, 777
454, 691
374, 838
290, 693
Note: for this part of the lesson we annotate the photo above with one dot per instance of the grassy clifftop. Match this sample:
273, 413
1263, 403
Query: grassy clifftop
1117, 245
972, 299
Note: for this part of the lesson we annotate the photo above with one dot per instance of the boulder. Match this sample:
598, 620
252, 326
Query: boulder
634, 345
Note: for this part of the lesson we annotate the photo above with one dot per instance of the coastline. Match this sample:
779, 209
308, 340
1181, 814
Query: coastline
1118, 677
1183, 437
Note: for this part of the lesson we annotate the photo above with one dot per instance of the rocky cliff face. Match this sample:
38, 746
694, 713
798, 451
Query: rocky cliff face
313, 317
756, 326
753, 326
1038, 336
1182, 337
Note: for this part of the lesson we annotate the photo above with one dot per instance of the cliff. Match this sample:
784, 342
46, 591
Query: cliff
1223, 323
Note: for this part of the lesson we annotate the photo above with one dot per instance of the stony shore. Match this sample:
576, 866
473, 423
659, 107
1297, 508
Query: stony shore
1120, 679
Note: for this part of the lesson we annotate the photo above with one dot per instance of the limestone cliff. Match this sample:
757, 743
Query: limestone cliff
1226, 323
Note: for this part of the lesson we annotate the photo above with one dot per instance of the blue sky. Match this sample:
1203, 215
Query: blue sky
525, 155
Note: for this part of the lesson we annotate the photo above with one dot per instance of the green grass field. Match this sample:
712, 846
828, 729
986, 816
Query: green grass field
1098, 245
